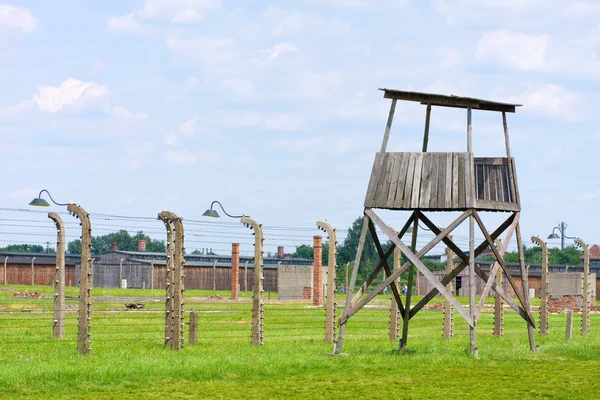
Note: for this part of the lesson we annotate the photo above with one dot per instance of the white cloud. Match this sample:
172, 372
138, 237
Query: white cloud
170, 138
180, 157
143, 148
239, 86
552, 100
515, 12
275, 121
279, 49
283, 121
345, 3
448, 57
589, 196
293, 23
173, 11
17, 18
129, 116
216, 54
23, 194
192, 81
189, 157
243, 120
177, 11
521, 51
189, 126
132, 165
71, 92
126, 24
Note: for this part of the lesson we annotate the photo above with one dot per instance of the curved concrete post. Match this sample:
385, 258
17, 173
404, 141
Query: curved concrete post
84, 334
175, 288
5, 261
330, 302
585, 300
168, 280
58, 326
544, 291
317, 270
257, 297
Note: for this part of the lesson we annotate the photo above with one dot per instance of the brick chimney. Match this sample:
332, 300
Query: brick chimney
280, 252
141, 245
235, 271
115, 246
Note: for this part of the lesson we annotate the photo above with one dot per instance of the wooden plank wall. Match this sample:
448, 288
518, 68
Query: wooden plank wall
420, 181
201, 278
20, 274
492, 180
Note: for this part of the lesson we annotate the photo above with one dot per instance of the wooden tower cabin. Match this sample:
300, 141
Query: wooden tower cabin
436, 182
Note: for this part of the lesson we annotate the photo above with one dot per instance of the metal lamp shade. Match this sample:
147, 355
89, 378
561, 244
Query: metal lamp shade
211, 213
39, 202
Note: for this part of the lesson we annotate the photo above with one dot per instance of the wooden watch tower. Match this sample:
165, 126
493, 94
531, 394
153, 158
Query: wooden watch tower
434, 182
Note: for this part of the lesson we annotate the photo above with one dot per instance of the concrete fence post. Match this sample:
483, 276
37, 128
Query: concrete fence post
92, 273
58, 326
330, 300
544, 288
193, 332
235, 271
317, 295
175, 288
394, 309
448, 309
257, 297
33, 271
585, 292
170, 261
5, 261
84, 333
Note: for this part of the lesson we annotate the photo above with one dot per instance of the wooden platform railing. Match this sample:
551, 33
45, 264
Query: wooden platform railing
440, 181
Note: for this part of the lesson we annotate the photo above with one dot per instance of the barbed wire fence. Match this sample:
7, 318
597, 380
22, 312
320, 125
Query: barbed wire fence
26, 321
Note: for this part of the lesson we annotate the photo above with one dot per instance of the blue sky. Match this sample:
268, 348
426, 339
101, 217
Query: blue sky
129, 107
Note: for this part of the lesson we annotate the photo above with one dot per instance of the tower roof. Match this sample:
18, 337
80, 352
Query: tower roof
449, 101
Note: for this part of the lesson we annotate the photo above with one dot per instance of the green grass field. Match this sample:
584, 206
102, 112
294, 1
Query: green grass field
129, 360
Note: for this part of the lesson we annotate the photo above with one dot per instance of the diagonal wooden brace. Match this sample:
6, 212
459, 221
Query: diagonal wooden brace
427, 298
365, 300
393, 285
520, 310
496, 265
382, 259
500, 260
424, 270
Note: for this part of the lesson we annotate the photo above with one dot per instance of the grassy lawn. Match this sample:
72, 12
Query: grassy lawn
128, 359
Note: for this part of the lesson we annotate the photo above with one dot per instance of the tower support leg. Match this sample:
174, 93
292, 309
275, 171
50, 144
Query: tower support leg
337, 346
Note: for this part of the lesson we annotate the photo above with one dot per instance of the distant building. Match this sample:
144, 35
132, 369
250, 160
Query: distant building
143, 269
